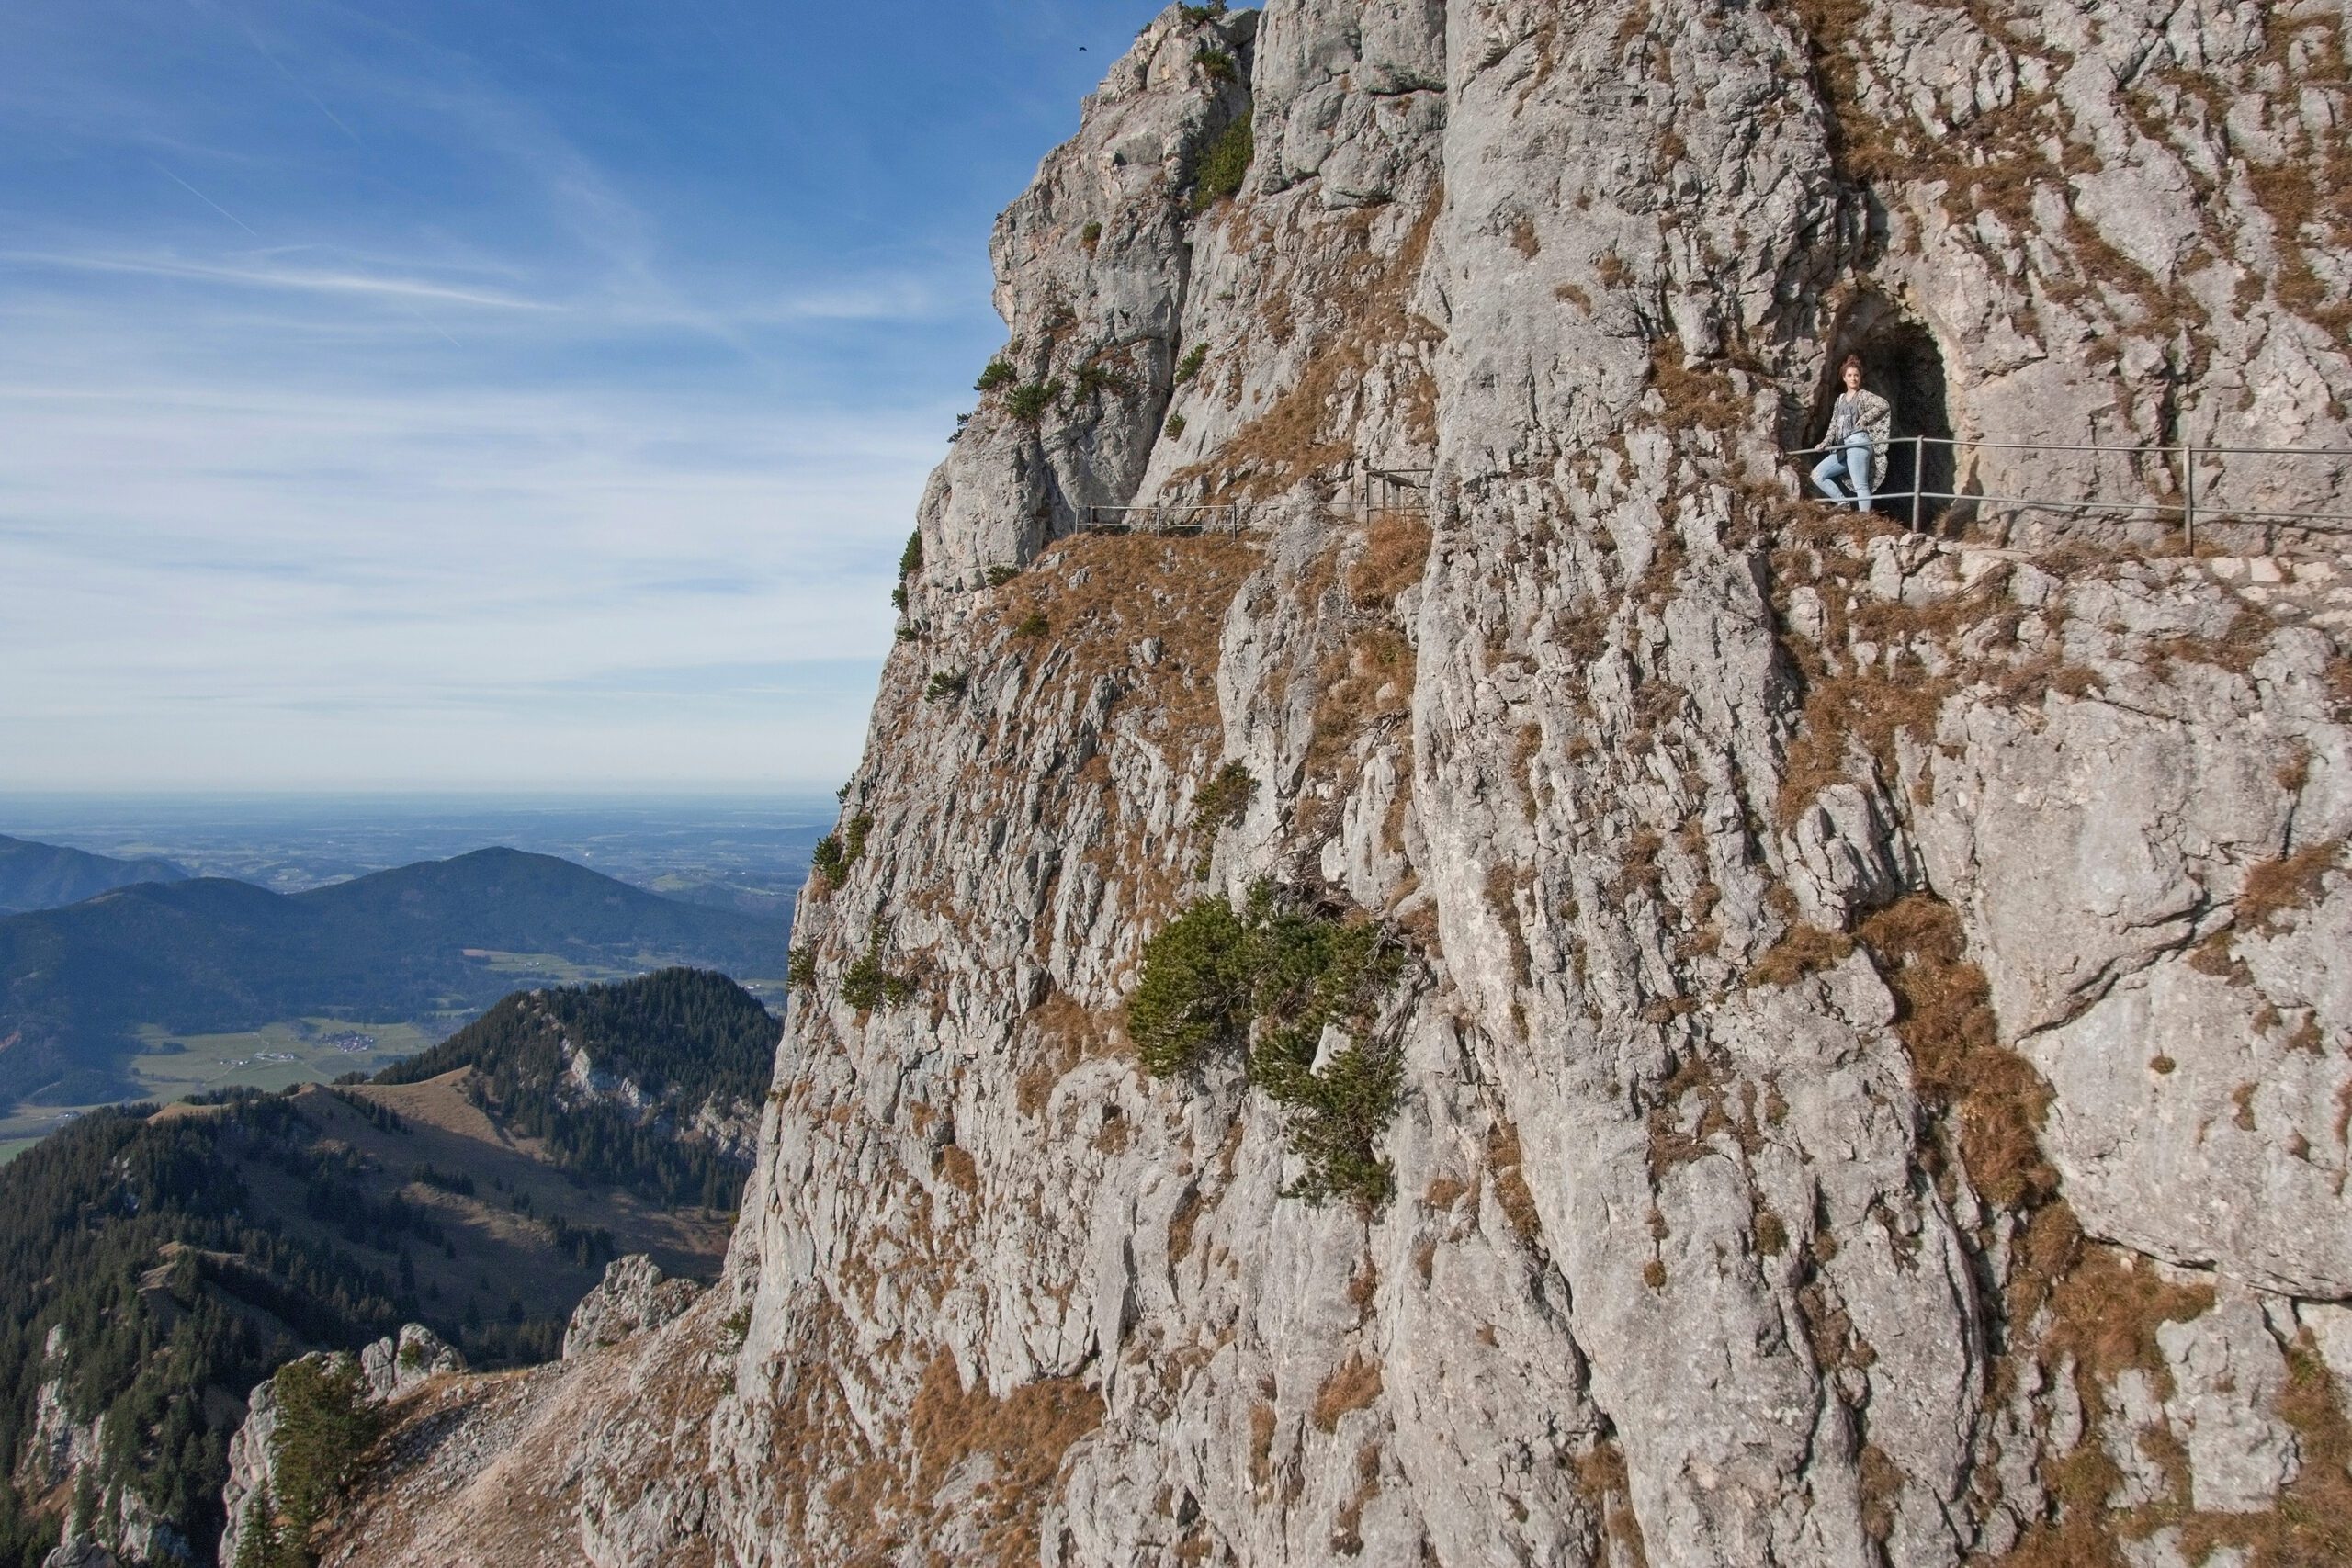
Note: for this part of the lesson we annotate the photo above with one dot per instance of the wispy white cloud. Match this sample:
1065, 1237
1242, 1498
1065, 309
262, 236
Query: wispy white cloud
420, 578
393, 422
259, 276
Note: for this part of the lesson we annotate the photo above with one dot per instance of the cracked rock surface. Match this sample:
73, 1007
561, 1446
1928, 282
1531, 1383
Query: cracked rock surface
1872, 1025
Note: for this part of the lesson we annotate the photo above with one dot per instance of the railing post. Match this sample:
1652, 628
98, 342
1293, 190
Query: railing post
1918, 475
2189, 495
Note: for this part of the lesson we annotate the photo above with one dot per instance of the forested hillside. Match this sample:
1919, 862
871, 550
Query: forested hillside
156, 1264
48, 876
660, 1054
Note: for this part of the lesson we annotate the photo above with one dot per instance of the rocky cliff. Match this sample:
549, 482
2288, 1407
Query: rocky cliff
1547, 1000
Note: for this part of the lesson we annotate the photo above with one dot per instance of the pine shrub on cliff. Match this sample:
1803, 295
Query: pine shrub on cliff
1265, 983
1224, 166
325, 1423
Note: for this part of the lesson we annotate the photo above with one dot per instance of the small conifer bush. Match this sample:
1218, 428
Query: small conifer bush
1029, 403
1190, 365
868, 983
1264, 982
1093, 378
325, 1423
829, 862
1197, 993
1222, 801
997, 373
1224, 166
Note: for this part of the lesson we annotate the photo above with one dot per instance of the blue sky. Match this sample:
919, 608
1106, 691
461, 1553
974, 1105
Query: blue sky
527, 394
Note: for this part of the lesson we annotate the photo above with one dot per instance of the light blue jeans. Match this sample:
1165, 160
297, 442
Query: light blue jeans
1851, 463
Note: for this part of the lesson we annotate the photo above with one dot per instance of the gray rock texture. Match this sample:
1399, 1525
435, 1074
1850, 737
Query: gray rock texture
633, 1297
1873, 1036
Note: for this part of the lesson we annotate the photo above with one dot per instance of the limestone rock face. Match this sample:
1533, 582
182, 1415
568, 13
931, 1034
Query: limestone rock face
62, 1455
633, 1297
1868, 1007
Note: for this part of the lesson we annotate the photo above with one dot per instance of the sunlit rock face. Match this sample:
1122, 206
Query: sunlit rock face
1869, 1009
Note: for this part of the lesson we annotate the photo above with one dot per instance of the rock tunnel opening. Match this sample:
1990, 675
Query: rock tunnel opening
1900, 363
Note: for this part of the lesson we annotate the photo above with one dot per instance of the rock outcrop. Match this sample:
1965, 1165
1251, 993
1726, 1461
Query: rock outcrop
64, 1459
1851, 1064
633, 1297
387, 1371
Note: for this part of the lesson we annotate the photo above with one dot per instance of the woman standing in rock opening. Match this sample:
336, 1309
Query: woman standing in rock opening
1860, 425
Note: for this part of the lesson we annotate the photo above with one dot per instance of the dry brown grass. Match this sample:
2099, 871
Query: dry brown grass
2292, 882
1805, 950
1106, 594
1026, 1435
1601, 1481
1396, 554
1512, 1191
1882, 1484
959, 1170
1310, 428
1261, 1445
1944, 1018
1669, 1144
1347, 1538
1638, 871
1061, 1034
2310, 187
1841, 711
1695, 399
1182, 1222
2235, 650
1365, 673
1353, 1385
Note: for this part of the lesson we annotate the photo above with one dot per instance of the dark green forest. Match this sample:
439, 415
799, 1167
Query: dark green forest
126, 1231
139, 1234
686, 1036
46, 876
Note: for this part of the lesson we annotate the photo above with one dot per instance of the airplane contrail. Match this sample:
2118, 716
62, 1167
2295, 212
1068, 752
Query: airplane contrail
206, 200
293, 81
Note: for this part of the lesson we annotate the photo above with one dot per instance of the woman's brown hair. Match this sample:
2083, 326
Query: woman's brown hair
1853, 362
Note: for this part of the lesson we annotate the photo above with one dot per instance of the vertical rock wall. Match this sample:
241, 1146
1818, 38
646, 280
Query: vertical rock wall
1874, 1036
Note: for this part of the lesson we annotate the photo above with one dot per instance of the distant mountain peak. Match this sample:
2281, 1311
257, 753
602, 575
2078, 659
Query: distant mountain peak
34, 876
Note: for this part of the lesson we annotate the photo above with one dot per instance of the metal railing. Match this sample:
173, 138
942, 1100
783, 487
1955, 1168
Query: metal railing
1395, 489
1197, 517
2189, 509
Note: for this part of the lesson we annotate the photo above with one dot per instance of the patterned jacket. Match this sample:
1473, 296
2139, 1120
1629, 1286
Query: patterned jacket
1867, 413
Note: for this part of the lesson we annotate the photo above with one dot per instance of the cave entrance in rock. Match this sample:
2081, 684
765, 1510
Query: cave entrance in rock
1900, 363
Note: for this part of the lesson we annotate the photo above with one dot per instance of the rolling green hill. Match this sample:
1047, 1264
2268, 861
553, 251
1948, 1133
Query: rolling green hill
182, 1255
48, 876
208, 955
